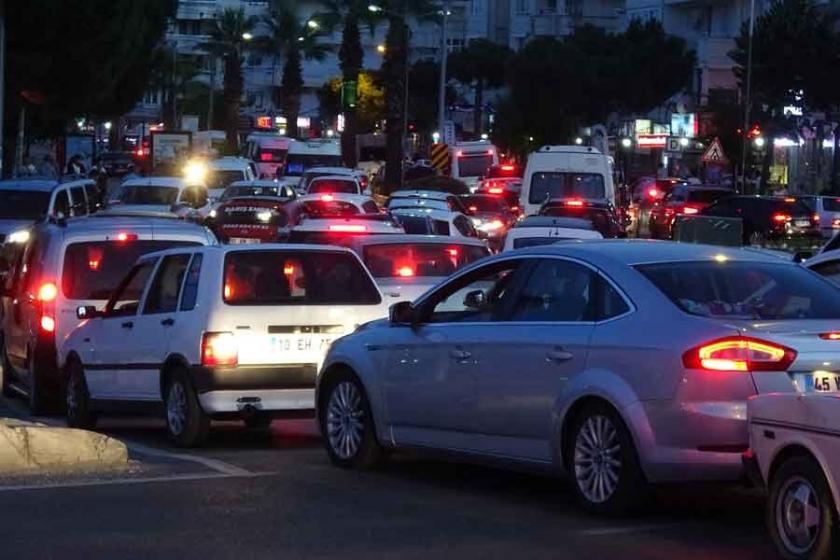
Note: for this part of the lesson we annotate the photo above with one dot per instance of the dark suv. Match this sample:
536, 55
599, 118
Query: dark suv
602, 214
768, 219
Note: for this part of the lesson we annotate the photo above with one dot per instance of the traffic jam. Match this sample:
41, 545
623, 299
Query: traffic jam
539, 312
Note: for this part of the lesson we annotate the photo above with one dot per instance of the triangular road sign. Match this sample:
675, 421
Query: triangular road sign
714, 153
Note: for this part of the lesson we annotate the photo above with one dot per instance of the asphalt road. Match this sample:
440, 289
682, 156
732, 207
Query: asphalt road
274, 494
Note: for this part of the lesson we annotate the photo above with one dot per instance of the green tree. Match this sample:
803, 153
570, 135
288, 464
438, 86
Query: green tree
481, 64
370, 104
228, 41
292, 38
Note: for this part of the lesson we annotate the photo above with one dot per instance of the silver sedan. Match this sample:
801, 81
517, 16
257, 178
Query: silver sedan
621, 363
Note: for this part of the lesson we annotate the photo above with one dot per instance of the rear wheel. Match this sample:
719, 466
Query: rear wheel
801, 515
187, 423
347, 424
78, 405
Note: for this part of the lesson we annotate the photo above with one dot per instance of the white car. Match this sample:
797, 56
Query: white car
160, 195
428, 221
827, 208
225, 171
316, 172
218, 331
336, 204
545, 230
341, 230
425, 199
795, 450
335, 184
407, 266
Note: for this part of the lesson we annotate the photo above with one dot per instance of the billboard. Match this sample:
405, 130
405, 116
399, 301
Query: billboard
168, 149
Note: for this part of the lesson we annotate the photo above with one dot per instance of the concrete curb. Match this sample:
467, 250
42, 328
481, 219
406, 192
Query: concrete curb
27, 447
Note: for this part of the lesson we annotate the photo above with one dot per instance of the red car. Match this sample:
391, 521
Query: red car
250, 220
683, 200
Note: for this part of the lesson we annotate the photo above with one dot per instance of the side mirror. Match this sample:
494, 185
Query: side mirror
475, 300
87, 312
401, 313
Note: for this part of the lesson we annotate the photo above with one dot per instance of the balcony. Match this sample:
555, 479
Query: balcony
558, 25
197, 9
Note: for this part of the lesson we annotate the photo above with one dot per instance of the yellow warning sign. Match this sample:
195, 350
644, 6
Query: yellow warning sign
440, 157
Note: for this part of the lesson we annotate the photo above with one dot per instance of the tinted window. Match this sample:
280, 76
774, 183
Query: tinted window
296, 278
152, 195
464, 226
92, 197
831, 204
342, 238
233, 192
417, 225
829, 269
794, 207
333, 186
191, 284
24, 205
321, 208
62, 204
547, 185
707, 196
163, 295
473, 166
219, 179
599, 218
127, 296
742, 290
370, 207
419, 259
93, 269
485, 204
79, 202
557, 290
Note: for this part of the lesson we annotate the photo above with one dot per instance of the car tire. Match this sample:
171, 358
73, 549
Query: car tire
186, 422
347, 424
258, 421
603, 464
799, 491
78, 409
40, 404
6, 373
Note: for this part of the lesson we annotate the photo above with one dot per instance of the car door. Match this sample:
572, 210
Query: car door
111, 334
429, 370
527, 361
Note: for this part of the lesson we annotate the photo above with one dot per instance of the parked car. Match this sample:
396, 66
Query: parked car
795, 452
768, 219
601, 213
216, 332
620, 362
544, 230
63, 266
683, 200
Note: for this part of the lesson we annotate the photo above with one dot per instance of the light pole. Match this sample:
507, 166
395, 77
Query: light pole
747, 97
442, 83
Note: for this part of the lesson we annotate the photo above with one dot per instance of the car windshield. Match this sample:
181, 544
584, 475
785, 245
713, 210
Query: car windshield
23, 205
408, 260
93, 269
746, 290
831, 204
485, 204
506, 170
317, 208
708, 196
243, 213
546, 185
148, 195
296, 278
333, 186
221, 178
234, 192
296, 164
474, 165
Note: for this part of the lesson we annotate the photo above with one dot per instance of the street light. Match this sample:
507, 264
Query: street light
380, 48
578, 140
247, 36
312, 24
759, 142
374, 8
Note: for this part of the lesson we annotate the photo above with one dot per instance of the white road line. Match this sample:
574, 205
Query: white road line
214, 464
122, 481
604, 531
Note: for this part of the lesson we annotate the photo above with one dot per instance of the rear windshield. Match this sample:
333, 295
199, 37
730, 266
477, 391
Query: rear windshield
523, 242
247, 214
546, 185
474, 166
485, 204
23, 205
220, 179
831, 204
321, 208
599, 218
152, 195
296, 164
419, 259
234, 192
743, 290
93, 269
296, 278
504, 171
794, 207
333, 186
707, 196
341, 238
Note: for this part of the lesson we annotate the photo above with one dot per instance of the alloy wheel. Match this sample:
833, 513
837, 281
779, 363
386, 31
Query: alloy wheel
597, 459
798, 515
176, 408
345, 420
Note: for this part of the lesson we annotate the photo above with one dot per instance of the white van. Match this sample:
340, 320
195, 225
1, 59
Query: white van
471, 160
304, 154
556, 172
268, 150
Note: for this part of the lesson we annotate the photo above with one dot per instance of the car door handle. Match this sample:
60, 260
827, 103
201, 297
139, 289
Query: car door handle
559, 356
168, 322
460, 354
128, 325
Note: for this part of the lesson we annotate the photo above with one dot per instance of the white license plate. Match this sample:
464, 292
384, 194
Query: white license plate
801, 223
818, 382
243, 240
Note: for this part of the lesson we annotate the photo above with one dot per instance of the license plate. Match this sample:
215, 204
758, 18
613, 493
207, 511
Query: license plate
819, 382
243, 240
801, 223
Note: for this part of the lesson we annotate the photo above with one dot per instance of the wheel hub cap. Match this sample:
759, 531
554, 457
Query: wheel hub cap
798, 515
597, 459
176, 409
345, 420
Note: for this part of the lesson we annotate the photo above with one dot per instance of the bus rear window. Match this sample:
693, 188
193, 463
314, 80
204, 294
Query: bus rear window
296, 278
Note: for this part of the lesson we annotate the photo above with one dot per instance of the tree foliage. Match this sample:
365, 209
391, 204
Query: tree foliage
481, 64
370, 103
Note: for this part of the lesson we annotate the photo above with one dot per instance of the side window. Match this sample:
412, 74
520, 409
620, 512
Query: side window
440, 227
609, 301
465, 227
79, 207
163, 295
829, 269
31, 268
482, 296
557, 290
62, 204
92, 197
191, 284
127, 296
370, 207
188, 196
200, 197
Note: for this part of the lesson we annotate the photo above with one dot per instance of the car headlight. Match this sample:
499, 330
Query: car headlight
264, 216
195, 171
19, 236
212, 213
491, 226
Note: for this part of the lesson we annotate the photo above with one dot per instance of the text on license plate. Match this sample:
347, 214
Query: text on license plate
243, 240
279, 344
801, 223
822, 382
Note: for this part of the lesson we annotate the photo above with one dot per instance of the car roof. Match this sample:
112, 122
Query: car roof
174, 182
42, 185
419, 193
417, 238
225, 249
552, 222
104, 223
426, 212
345, 171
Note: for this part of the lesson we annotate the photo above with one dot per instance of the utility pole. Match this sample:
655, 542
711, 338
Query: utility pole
747, 99
212, 90
442, 82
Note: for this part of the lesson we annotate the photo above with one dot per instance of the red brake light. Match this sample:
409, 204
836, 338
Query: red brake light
47, 324
473, 208
327, 198
405, 271
576, 203
830, 336
348, 228
265, 157
690, 210
453, 252
739, 354
653, 193
496, 190
219, 349
508, 168
781, 218
123, 236
47, 292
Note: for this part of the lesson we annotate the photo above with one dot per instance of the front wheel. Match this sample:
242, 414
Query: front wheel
187, 423
602, 460
347, 425
78, 405
801, 515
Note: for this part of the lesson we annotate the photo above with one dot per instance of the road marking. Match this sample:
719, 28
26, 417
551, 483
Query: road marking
121, 481
604, 531
214, 464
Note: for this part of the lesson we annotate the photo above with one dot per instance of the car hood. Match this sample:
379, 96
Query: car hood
11, 226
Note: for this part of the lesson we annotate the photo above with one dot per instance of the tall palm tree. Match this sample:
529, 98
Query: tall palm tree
294, 39
228, 41
481, 64
352, 15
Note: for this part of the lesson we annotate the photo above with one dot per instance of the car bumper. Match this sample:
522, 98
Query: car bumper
254, 401
254, 378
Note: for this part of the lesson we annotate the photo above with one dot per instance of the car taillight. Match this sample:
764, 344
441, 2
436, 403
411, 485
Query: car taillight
453, 252
473, 208
47, 292
495, 190
781, 218
830, 336
574, 203
47, 324
219, 349
739, 354
265, 157
815, 218
405, 271
327, 198
690, 210
348, 228
653, 193
835, 223
508, 168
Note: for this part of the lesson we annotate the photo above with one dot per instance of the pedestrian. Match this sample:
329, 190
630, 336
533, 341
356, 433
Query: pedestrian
48, 167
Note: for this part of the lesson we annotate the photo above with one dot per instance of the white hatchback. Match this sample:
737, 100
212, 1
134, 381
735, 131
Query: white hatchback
221, 331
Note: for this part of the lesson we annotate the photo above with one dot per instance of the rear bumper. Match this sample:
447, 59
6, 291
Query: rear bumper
255, 401
254, 378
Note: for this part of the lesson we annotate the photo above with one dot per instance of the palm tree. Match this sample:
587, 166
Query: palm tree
352, 15
481, 64
228, 41
294, 39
